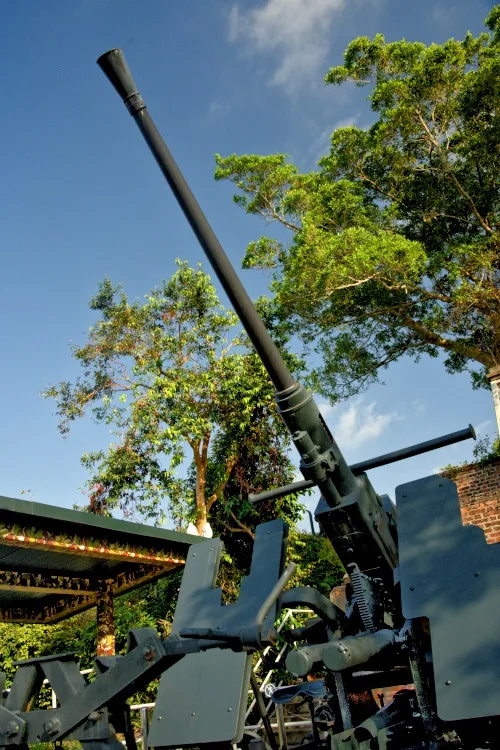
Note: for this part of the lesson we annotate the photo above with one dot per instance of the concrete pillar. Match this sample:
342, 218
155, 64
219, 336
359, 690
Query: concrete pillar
494, 378
105, 620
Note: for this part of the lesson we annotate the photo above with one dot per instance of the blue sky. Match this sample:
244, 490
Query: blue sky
81, 198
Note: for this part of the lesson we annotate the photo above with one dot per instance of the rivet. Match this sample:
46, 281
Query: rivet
476, 574
448, 682
193, 714
440, 484
159, 718
229, 709
412, 588
194, 554
404, 494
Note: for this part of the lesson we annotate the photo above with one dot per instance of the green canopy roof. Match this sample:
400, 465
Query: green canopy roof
54, 561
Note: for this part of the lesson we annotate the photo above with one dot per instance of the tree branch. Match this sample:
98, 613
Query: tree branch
452, 175
449, 344
231, 462
242, 526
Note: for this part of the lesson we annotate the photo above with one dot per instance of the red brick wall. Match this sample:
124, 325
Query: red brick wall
479, 493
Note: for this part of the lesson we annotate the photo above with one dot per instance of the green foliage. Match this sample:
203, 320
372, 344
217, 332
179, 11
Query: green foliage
485, 451
317, 562
395, 238
176, 382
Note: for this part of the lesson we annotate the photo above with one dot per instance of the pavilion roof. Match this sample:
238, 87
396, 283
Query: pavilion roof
54, 561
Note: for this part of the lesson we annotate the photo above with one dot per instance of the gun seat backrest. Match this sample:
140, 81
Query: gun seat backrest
203, 698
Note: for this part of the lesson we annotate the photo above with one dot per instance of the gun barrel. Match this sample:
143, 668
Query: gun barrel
362, 530
321, 457
115, 67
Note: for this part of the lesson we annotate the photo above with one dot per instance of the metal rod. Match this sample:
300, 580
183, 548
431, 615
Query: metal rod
116, 69
281, 727
263, 712
274, 593
371, 463
414, 450
313, 532
287, 489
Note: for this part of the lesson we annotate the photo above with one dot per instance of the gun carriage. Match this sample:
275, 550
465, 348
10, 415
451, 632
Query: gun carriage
422, 598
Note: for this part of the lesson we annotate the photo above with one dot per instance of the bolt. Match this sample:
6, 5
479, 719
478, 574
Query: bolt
448, 682
52, 726
12, 728
149, 653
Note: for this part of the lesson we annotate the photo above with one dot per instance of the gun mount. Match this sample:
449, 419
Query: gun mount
422, 600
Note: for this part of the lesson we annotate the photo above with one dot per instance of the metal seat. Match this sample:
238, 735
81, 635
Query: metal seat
314, 690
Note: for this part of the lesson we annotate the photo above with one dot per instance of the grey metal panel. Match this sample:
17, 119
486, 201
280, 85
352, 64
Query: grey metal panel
202, 699
450, 575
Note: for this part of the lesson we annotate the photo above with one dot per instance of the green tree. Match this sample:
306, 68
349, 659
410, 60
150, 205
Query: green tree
395, 237
176, 382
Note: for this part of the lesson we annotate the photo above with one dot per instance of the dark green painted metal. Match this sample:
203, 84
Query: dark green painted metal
450, 575
133, 671
203, 698
114, 65
371, 463
414, 450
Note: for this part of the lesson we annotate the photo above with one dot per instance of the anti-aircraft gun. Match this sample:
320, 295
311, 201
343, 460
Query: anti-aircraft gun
422, 599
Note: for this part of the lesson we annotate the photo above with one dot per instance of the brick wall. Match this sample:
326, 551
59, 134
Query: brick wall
479, 493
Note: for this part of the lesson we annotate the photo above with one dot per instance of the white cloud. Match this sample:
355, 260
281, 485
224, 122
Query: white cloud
325, 409
217, 108
361, 423
296, 33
